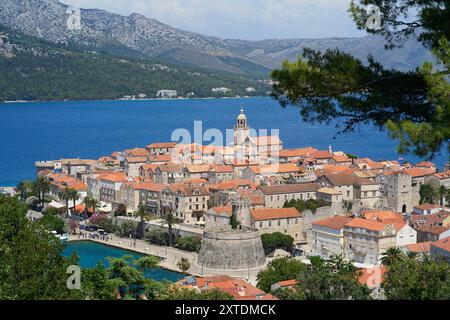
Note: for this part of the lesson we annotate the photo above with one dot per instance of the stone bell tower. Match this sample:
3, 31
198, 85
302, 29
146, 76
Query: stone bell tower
241, 130
241, 208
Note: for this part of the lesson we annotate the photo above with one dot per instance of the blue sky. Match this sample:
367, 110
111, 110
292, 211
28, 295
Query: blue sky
242, 19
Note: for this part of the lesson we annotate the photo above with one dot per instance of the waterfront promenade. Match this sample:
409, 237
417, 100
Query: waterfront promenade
170, 256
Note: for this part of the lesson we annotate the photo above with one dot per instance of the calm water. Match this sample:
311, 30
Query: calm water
91, 253
46, 131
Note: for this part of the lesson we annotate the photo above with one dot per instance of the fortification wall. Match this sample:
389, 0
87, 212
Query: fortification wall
231, 250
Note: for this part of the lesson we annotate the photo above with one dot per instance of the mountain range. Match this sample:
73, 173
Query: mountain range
136, 36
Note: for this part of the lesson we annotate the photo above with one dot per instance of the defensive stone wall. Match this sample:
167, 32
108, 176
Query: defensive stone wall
231, 250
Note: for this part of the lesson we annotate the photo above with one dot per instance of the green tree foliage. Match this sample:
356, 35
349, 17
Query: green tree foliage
189, 243
184, 264
301, 205
120, 211
46, 71
169, 219
32, 266
391, 256
96, 284
126, 229
277, 240
279, 270
234, 222
91, 203
53, 223
336, 279
417, 279
427, 194
414, 106
158, 236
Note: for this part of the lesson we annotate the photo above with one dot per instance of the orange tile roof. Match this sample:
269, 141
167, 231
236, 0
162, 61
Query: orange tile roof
442, 175
161, 158
340, 158
266, 140
273, 214
114, 177
228, 210
419, 172
300, 152
223, 169
238, 288
136, 159
332, 169
137, 152
336, 222
383, 216
419, 247
287, 283
322, 154
366, 224
443, 244
425, 164
160, 145
372, 277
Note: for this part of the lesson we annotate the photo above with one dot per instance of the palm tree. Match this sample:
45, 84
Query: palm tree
442, 192
74, 196
91, 203
143, 214
391, 255
66, 195
41, 186
170, 220
24, 188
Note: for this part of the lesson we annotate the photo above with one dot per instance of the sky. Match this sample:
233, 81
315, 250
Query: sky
241, 19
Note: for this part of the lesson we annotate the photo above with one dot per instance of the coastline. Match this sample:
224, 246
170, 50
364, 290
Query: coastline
109, 100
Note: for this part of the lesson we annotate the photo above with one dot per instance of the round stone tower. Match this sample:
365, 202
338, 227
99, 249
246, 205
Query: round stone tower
224, 248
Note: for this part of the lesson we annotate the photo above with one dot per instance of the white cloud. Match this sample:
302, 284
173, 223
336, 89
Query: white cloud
246, 19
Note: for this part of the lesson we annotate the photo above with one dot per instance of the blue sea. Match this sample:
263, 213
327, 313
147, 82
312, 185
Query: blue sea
90, 253
89, 129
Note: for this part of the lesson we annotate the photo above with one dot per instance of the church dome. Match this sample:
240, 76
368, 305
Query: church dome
242, 115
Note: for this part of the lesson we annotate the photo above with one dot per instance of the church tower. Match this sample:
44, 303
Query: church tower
241, 130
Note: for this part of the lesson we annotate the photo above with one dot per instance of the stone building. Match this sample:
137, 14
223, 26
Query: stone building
276, 196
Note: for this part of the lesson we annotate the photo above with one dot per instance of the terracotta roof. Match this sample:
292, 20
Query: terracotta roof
372, 277
136, 159
340, 179
419, 247
322, 154
442, 175
366, 224
427, 206
228, 210
336, 222
272, 214
238, 288
436, 230
114, 177
197, 168
290, 188
162, 145
232, 184
419, 172
161, 158
276, 168
170, 167
287, 283
443, 244
383, 216
340, 158
150, 167
332, 169
223, 169
300, 152
426, 164
137, 152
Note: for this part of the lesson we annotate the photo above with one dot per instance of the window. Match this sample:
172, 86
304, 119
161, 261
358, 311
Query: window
260, 224
270, 223
279, 222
